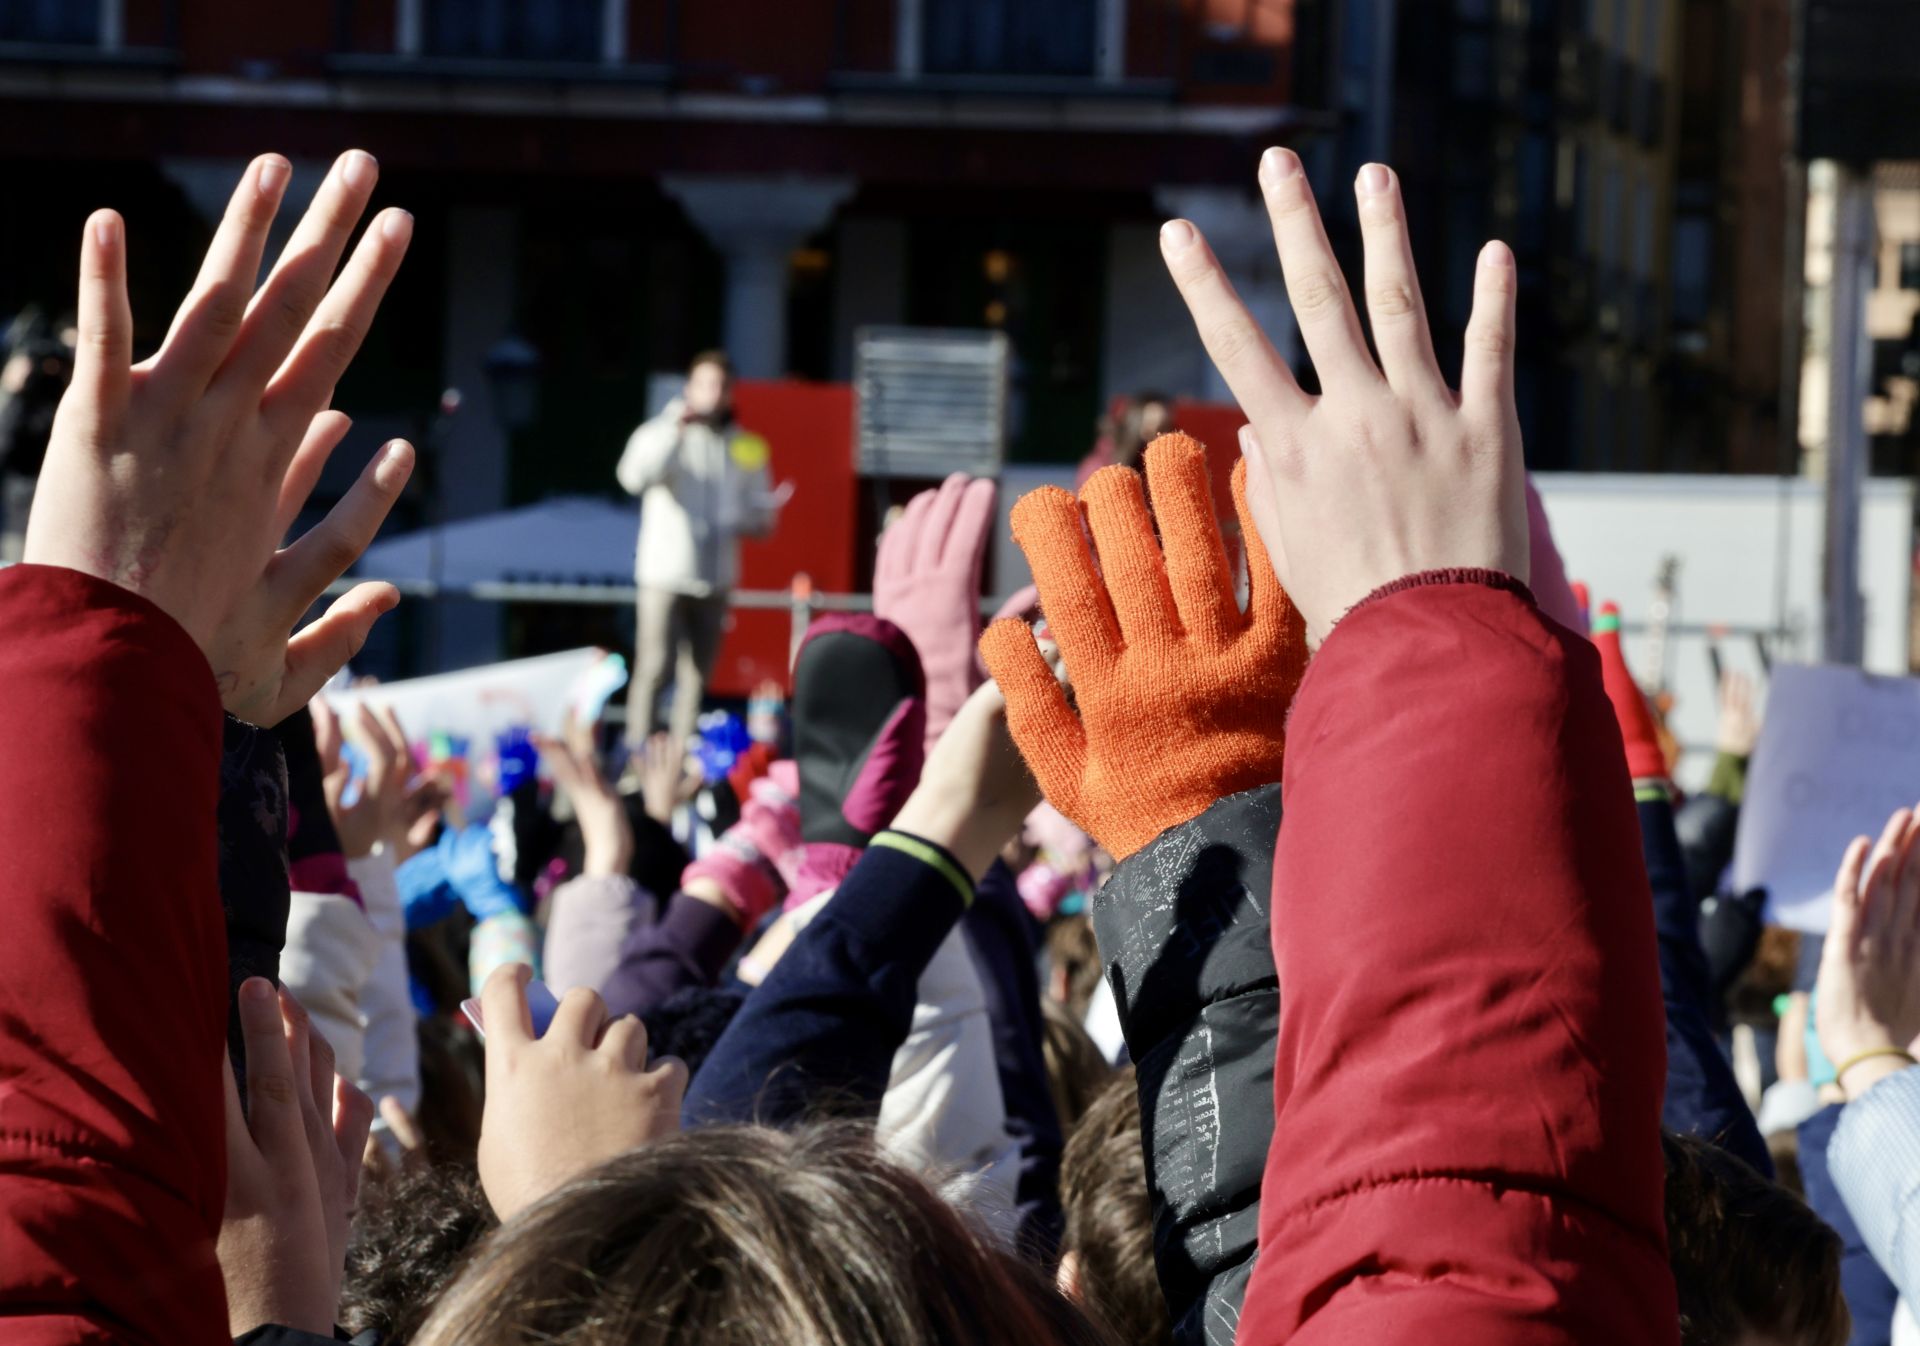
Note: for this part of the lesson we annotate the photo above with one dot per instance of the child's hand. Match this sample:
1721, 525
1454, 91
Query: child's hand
178, 477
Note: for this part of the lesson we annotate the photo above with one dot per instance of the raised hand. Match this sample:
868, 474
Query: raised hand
1180, 698
380, 811
561, 1104
293, 1170
1389, 472
1867, 998
178, 477
1739, 724
926, 581
605, 832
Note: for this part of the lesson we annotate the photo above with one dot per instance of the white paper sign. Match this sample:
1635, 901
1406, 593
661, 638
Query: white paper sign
1839, 753
479, 703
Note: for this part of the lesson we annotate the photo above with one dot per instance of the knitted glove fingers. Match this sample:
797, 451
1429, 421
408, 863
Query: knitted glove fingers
1136, 574
1047, 525
1044, 727
1268, 606
1196, 558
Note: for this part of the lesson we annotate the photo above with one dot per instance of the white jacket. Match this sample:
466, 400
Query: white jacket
699, 488
391, 1064
330, 953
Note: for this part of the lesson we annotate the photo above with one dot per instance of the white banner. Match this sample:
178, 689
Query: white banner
1838, 754
480, 703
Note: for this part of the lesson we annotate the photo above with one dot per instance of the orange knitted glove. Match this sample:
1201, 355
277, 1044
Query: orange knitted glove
1182, 697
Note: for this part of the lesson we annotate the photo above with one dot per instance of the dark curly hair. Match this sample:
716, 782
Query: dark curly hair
410, 1235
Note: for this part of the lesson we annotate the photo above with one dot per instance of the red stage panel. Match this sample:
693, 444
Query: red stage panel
810, 429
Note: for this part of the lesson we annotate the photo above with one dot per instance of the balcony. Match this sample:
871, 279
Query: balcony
89, 32
1016, 48
554, 40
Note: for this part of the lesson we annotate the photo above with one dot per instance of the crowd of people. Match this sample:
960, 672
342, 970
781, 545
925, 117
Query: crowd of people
1282, 933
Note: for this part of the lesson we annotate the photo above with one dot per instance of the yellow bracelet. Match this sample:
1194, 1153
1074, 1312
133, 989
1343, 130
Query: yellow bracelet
1840, 1071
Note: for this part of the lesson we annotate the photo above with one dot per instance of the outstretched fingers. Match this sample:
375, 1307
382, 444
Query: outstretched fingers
1256, 375
1486, 370
305, 382
280, 311
1048, 525
301, 573
1315, 286
1394, 305
104, 354
209, 322
1044, 726
329, 643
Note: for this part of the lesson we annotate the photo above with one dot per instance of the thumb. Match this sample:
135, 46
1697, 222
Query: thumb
1044, 727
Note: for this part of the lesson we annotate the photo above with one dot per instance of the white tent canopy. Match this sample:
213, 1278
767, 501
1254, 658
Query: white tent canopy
569, 540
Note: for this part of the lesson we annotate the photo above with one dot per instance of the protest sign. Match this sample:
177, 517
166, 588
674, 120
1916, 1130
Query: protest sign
1840, 751
479, 704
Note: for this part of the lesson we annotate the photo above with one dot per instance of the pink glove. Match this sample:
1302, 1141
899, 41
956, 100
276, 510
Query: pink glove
1549, 576
750, 862
927, 582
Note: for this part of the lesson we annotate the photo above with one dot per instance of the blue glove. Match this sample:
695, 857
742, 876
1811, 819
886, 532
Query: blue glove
459, 868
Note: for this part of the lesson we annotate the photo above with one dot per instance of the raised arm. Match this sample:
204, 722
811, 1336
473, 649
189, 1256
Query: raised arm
1461, 921
154, 593
1172, 762
826, 1022
650, 451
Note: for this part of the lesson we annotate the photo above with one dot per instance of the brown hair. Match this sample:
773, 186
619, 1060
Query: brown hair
1103, 1188
735, 1236
715, 357
1747, 1255
1076, 1071
410, 1235
1074, 954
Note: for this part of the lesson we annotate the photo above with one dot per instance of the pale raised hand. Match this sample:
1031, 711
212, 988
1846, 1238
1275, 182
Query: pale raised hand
1388, 472
178, 477
1867, 998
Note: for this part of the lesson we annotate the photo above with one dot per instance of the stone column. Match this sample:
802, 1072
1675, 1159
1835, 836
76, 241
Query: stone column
1236, 226
756, 221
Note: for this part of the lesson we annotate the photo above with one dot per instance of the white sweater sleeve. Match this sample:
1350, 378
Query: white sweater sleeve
330, 953
391, 1059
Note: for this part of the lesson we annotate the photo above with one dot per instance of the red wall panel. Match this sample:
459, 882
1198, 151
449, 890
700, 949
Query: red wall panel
809, 427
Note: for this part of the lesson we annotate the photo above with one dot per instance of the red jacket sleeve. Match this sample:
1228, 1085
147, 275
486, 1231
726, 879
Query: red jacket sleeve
112, 970
1471, 1051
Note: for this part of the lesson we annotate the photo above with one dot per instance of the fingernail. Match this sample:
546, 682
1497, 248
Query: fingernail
359, 169
106, 230
1247, 441
1176, 235
256, 991
398, 226
1277, 165
273, 173
1374, 179
1495, 254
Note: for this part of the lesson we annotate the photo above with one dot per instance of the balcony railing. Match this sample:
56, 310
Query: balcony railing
89, 32
570, 40
1062, 48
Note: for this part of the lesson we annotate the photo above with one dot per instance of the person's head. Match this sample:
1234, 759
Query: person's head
1143, 418
409, 1236
736, 1235
1073, 961
1077, 1073
1753, 1265
709, 390
1106, 1254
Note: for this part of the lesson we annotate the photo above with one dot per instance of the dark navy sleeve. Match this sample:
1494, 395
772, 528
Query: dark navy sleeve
819, 1034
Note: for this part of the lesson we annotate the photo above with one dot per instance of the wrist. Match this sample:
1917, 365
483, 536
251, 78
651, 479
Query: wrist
1865, 1066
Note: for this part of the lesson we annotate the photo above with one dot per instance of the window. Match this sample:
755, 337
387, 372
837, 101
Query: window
539, 30
67, 23
1692, 268
1009, 37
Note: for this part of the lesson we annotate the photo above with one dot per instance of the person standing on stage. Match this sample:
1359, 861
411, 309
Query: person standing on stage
703, 482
